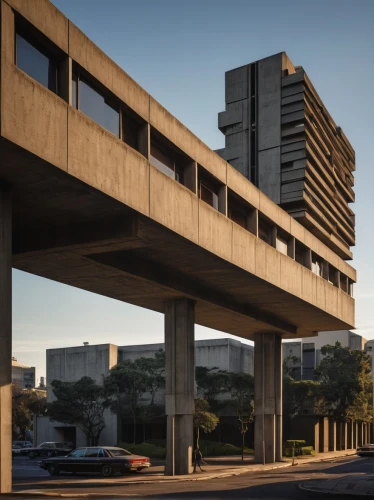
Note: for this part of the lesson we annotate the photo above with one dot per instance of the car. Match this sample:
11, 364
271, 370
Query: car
21, 444
49, 449
367, 450
105, 459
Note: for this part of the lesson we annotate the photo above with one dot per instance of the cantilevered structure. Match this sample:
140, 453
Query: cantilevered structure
103, 189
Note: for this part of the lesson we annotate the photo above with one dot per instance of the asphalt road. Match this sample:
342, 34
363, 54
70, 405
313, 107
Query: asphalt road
278, 484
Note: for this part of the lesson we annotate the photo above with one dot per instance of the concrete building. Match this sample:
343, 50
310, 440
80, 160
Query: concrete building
279, 135
22, 375
308, 351
103, 189
71, 363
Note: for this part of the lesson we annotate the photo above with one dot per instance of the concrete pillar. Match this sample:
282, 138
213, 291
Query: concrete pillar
344, 435
332, 435
323, 435
180, 385
268, 397
355, 434
359, 434
5, 339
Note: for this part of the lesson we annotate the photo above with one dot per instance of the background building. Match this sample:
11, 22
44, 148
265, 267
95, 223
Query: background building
23, 375
308, 351
72, 363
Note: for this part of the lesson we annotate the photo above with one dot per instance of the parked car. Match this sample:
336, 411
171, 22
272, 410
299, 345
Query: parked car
366, 451
49, 449
105, 459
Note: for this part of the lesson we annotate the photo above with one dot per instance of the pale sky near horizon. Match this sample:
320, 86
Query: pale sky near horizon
179, 52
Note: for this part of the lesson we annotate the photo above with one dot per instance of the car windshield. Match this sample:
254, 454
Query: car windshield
119, 452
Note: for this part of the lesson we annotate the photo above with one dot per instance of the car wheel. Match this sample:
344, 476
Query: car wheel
53, 470
32, 454
106, 470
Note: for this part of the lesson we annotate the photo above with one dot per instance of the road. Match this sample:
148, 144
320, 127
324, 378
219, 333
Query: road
278, 484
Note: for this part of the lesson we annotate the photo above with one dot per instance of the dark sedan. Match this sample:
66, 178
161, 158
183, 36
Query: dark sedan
107, 460
49, 449
366, 451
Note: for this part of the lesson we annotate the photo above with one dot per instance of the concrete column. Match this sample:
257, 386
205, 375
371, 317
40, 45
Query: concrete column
323, 435
268, 397
180, 385
5, 339
355, 435
359, 434
332, 435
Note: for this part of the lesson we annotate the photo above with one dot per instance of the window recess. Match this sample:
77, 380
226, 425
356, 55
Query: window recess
90, 97
211, 191
38, 56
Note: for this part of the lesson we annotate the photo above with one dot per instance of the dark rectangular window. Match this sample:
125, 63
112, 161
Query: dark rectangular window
36, 63
208, 194
164, 158
237, 215
264, 230
96, 106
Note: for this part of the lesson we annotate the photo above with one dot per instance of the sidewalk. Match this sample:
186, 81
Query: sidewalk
217, 467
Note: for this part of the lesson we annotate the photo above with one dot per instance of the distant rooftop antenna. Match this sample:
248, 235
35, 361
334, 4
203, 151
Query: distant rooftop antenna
85, 343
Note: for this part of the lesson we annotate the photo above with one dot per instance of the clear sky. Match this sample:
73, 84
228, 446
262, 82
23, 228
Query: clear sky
179, 51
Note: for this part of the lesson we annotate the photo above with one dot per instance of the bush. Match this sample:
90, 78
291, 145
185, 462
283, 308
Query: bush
290, 443
307, 450
214, 448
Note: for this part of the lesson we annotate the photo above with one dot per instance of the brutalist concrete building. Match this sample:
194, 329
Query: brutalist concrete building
102, 188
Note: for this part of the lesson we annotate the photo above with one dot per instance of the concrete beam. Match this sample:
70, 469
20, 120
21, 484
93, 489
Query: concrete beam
180, 385
268, 397
5, 339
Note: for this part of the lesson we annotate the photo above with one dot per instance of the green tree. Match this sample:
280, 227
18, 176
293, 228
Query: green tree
203, 419
290, 365
345, 383
211, 383
299, 395
25, 404
241, 388
81, 403
126, 385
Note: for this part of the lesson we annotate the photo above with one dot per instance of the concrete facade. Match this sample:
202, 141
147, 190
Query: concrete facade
22, 375
93, 209
279, 134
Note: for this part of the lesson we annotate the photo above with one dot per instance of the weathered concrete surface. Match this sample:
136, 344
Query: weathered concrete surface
5, 338
180, 385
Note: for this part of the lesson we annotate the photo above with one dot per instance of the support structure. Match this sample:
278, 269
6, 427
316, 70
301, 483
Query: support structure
5, 339
180, 385
268, 397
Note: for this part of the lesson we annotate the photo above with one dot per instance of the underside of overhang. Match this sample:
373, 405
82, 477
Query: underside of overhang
66, 231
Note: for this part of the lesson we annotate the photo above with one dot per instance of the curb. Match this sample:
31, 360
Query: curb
321, 491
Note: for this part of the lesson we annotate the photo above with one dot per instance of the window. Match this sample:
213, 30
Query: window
208, 194
281, 245
163, 159
94, 104
78, 453
237, 215
317, 264
36, 63
119, 452
91, 453
264, 230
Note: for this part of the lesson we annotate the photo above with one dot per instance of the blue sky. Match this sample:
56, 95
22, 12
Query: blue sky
179, 51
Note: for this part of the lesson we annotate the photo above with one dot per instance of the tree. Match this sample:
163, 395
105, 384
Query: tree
241, 387
25, 404
126, 385
203, 419
155, 369
299, 395
290, 365
81, 403
345, 383
211, 382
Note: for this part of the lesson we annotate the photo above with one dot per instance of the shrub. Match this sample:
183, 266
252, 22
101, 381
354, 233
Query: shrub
290, 443
146, 449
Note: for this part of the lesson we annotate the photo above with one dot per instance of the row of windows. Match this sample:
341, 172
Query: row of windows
94, 100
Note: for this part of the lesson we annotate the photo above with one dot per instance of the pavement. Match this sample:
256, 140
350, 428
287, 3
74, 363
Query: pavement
216, 467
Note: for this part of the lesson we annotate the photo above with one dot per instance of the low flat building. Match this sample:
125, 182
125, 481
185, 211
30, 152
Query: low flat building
22, 375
